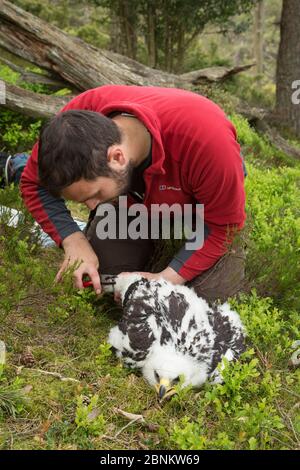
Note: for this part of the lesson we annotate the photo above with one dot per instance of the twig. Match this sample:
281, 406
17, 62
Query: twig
130, 416
281, 434
136, 418
293, 429
127, 425
281, 442
294, 407
288, 422
262, 359
291, 392
55, 374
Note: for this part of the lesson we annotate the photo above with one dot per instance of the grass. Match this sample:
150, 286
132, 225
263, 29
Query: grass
62, 388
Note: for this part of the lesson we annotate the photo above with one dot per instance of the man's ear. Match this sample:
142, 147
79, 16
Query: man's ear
115, 157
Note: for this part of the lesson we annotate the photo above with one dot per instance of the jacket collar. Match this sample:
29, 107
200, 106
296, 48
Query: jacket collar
150, 120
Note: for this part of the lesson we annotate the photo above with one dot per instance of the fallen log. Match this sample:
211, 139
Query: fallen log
81, 64
33, 104
263, 121
277, 140
213, 74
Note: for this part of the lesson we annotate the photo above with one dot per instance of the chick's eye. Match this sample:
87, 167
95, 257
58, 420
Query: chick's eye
157, 378
176, 380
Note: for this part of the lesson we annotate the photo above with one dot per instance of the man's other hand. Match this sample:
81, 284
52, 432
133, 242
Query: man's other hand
78, 250
168, 274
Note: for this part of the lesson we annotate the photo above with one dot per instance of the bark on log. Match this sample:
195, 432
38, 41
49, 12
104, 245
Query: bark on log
33, 104
81, 64
213, 74
277, 140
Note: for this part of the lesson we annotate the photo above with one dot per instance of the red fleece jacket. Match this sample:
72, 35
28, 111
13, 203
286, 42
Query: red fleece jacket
195, 158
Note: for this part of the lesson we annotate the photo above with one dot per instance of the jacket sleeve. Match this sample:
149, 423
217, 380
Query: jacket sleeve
216, 178
51, 213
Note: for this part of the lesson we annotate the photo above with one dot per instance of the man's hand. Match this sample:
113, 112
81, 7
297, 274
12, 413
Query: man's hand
168, 274
78, 249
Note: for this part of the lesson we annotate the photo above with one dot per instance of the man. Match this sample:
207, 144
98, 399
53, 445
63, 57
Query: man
158, 146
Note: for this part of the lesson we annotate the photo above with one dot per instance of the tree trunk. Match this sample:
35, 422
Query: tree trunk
151, 35
258, 36
128, 22
115, 32
287, 109
167, 42
180, 49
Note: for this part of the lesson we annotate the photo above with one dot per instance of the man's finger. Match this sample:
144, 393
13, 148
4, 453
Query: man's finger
95, 278
77, 276
58, 277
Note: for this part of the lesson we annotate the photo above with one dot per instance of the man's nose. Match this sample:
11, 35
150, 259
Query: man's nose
92, 203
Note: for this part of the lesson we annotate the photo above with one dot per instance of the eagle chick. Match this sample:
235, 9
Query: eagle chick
167, 331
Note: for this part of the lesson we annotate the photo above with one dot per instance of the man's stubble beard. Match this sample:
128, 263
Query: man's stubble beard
123, 179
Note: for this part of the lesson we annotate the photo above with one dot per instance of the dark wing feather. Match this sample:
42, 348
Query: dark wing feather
228, 337
141, 301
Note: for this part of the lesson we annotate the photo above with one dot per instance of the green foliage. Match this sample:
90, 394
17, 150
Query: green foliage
88, 417
14, 78
11, 396
189, 435
91, 34
62, 92
254, 90
66, 304
273, 201
17, 133
9, 75
268, 327
157, 21
257, 148
242, 410
198, 58
105, 353
58, 13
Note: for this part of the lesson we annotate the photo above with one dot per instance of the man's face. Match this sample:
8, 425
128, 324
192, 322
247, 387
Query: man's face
101, 189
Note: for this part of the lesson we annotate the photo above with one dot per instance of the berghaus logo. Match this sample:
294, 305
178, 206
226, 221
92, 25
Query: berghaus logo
164, 187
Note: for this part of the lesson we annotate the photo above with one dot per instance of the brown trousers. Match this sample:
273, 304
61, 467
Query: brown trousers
224, 279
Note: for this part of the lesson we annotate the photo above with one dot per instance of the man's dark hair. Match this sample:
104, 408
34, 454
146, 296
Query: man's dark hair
73, 145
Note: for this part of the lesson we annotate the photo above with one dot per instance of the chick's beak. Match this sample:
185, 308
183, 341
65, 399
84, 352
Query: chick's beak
164, 389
